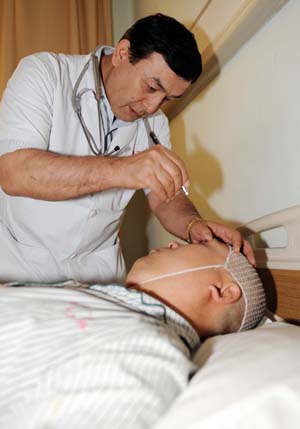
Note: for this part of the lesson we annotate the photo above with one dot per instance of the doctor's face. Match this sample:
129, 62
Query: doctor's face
137, 90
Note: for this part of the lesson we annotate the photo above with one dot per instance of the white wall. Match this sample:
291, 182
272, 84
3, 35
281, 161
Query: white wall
122, 17
240, 137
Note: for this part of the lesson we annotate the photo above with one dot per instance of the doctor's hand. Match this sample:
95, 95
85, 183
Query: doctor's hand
205, 230
157, 169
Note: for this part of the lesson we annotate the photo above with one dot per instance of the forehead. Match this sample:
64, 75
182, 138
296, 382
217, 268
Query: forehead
214, 251
191, 255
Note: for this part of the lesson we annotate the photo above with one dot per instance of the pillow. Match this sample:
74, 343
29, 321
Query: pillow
245, 380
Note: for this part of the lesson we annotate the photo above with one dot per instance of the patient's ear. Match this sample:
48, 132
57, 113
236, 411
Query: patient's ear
228, 293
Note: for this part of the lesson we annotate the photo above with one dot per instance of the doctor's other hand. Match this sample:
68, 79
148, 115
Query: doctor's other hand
157, 169
205, 230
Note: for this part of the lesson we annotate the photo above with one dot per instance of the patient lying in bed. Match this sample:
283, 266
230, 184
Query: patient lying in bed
92, 356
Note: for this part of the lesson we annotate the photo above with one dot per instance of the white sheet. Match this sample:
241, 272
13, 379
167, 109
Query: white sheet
70, 360
249, 380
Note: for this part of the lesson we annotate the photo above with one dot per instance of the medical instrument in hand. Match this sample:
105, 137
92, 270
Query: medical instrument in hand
155, 140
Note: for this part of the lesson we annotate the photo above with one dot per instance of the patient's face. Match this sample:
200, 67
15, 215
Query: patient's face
176, 257
201, 296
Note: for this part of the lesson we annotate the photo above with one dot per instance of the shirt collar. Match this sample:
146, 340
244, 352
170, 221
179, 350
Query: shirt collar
146, 303
136, 301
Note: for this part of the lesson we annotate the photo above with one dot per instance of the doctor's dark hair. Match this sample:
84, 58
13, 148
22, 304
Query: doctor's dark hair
168, 37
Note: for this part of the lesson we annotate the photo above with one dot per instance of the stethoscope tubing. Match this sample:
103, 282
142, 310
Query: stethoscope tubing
76, 103
76, 99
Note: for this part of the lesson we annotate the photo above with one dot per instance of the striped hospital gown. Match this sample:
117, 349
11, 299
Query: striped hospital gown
94, 357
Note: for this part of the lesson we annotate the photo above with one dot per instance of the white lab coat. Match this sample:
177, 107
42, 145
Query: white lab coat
74, 239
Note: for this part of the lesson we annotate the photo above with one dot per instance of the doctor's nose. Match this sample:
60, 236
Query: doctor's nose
153, 103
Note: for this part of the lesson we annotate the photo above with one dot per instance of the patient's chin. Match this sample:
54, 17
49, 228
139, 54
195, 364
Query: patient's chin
133, 275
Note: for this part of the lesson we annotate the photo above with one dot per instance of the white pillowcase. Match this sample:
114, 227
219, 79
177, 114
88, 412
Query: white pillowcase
247, 380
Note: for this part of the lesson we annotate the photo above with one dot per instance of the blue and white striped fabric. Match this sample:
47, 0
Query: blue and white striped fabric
94, 357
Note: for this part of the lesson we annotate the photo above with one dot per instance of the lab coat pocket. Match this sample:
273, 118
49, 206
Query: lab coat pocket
100, 230
27, 262
103, 220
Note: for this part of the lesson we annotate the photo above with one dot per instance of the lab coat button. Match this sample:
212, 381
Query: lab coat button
93, 213
72, 256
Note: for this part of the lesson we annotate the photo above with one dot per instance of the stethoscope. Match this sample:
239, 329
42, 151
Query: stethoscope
97, 91
76, 103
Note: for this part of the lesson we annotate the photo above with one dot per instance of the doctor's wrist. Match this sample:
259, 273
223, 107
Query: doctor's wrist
191, 222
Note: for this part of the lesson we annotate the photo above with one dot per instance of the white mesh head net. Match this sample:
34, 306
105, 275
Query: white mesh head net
245, 276
254, 295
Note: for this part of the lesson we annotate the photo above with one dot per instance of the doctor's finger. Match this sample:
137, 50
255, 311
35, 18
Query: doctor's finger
151, 169
175, 167
167, 168
241, 245
227, 234
170, 176
200, 232
140, 171
233, 237
155, 176
174, 158
248, 252
163, 185
167, 181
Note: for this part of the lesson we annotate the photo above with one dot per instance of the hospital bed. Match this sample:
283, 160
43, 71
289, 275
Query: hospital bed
249, 379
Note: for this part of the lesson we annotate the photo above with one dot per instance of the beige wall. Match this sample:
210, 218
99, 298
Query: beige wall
176, 8
123, 17
240, 137
213, 14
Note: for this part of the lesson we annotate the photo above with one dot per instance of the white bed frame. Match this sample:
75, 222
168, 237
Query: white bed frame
279, 267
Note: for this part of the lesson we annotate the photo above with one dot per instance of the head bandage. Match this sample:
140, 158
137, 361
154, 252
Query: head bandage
248, 280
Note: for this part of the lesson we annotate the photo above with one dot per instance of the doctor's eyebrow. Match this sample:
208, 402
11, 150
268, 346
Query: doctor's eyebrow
158, 82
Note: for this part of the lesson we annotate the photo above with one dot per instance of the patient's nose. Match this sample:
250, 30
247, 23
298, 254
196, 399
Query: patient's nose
173, 245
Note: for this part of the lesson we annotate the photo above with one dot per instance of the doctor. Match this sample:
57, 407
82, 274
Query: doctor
75, 146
